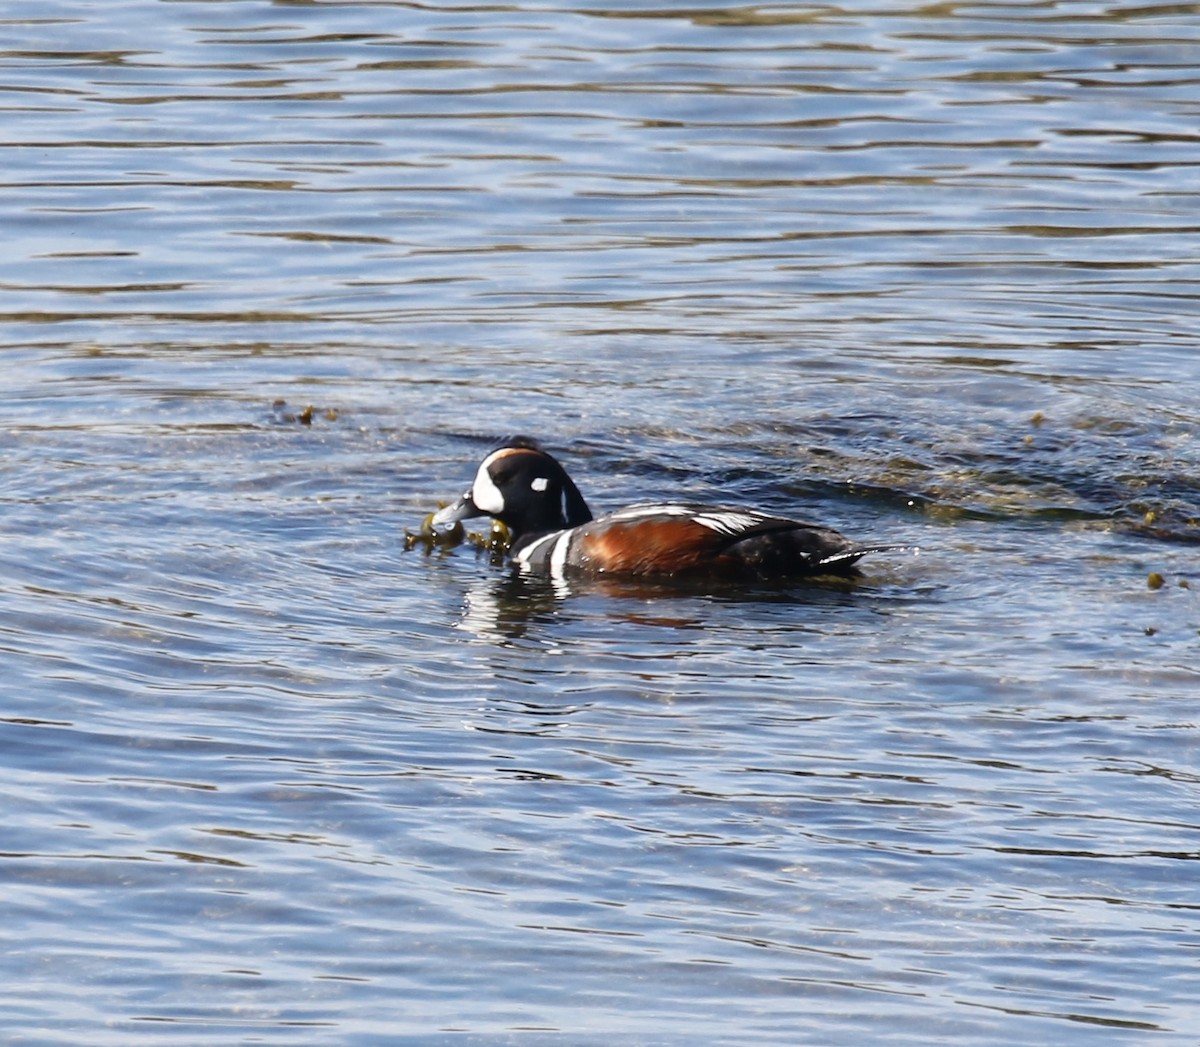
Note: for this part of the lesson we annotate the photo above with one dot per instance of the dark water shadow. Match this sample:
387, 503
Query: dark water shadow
509, 606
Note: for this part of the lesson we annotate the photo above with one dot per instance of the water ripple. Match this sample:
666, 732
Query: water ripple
278, 275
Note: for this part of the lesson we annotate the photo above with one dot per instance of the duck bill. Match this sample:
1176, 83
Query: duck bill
463, 509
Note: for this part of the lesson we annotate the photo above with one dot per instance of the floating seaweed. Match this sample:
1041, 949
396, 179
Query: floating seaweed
282, 414
428, 538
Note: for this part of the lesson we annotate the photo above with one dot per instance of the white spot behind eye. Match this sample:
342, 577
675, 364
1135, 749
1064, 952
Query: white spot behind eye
540, 483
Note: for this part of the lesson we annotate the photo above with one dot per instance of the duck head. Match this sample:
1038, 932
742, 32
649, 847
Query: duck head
524, 488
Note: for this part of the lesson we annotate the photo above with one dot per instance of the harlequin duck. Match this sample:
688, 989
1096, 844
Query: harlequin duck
553, 530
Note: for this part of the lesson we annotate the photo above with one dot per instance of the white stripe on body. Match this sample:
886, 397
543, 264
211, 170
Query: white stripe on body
526, 555
558, 555
555, 547
723, 521
729, 522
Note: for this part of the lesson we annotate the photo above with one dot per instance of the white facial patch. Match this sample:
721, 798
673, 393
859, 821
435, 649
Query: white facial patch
540, 483
485, 494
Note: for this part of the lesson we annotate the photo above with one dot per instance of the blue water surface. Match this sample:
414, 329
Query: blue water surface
277, 275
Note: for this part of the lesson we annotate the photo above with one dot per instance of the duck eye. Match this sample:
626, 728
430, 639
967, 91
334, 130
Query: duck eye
540, 483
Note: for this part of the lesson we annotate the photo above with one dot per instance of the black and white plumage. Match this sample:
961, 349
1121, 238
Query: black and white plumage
553, 530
